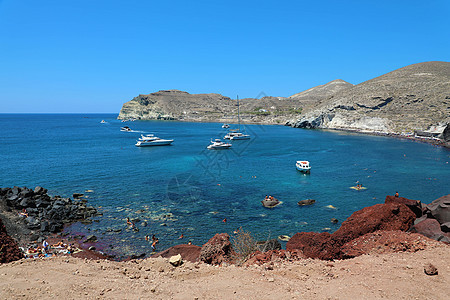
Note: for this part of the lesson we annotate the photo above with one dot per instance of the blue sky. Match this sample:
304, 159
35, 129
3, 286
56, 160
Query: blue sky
94, 55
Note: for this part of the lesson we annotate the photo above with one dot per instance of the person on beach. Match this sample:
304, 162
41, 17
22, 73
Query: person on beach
45, 245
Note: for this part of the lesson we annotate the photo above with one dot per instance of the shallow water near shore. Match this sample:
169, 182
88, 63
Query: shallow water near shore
187, 189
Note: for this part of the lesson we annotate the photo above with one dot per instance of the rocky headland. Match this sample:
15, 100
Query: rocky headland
411, 101
182, 106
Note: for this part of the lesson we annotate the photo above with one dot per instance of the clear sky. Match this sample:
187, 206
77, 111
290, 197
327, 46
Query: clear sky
94, 55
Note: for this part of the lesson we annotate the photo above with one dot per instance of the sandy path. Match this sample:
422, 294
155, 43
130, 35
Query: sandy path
391, 276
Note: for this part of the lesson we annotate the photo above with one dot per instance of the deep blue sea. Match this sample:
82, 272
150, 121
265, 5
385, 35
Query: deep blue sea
186, 189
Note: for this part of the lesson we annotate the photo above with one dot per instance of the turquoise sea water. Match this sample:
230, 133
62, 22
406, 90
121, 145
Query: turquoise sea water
186, 189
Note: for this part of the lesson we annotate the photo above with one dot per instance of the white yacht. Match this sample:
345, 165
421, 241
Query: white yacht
303, 166
151, 140
217, 144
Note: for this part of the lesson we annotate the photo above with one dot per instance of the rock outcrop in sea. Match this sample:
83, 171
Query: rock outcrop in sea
413, 98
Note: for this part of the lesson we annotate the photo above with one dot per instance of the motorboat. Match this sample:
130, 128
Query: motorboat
125, 128
225, 126
217, 144
303, 166
270, 202
103, 122
152, 141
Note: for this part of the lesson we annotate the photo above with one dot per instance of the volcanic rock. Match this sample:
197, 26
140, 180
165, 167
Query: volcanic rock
9, 249
217, 250
432, 229
40, 190
440, 209
188, 252
414, 205
390, 216
385, 242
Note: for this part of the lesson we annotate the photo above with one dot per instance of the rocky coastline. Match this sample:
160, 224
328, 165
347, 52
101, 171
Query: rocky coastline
30, 216
399, 236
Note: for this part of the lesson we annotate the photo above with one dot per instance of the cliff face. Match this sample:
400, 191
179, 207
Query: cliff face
415, 97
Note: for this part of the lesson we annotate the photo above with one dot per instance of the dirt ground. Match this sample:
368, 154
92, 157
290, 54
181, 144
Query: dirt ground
376, 276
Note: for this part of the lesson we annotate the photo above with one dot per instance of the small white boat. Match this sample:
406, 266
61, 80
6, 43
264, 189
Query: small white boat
217, 144
303, 166
225, 126
103, 122
125, 128
152, 141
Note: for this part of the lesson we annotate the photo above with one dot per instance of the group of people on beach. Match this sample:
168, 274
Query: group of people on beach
47, 250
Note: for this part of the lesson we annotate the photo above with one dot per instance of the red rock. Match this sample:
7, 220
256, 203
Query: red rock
9, 249
309, 242
415, 205
217, 250
188, 252
429, 228
260, 258
385, 242
390, 216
